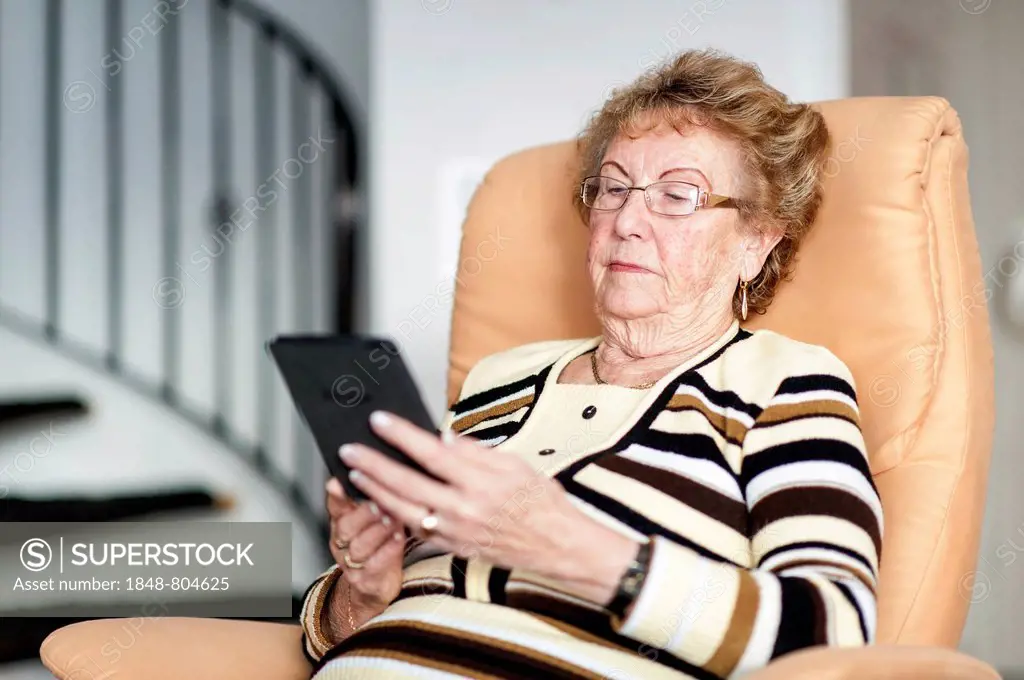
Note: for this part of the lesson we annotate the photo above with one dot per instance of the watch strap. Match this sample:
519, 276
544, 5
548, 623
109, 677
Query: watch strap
631, 581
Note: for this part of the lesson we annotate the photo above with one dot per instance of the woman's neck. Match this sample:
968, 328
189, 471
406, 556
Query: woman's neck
633, 352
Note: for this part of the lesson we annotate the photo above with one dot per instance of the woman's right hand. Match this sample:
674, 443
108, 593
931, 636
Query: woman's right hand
378, 543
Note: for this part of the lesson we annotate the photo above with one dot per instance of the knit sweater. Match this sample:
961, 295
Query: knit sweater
746, 466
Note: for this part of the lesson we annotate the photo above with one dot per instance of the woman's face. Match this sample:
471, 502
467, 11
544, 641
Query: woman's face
644, 264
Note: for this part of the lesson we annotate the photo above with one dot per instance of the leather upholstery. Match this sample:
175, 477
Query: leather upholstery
890, 279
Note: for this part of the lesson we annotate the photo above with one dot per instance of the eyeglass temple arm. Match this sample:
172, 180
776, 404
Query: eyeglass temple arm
717, 201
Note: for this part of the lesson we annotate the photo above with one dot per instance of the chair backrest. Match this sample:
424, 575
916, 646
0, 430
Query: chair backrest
889, 279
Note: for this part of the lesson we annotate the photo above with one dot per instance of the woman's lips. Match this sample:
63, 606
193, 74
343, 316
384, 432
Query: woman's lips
617, 266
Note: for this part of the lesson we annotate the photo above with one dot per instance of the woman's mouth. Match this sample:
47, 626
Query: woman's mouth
627, 267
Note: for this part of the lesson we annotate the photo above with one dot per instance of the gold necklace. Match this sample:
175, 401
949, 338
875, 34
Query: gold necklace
597, 378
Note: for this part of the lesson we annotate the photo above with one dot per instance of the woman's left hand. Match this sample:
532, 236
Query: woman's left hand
488, 504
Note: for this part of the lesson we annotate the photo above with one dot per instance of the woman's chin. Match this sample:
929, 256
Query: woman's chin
628, 308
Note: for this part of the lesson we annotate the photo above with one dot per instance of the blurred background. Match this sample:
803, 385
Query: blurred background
180, 180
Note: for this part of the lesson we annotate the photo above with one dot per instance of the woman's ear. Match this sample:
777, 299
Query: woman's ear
755, 248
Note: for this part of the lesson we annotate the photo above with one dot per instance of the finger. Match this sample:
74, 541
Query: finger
402, 480
337, 502
370, 539
406, 511
444, 459
387, 556
348, 525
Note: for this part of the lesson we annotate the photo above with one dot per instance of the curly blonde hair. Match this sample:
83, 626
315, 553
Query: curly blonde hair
785, 145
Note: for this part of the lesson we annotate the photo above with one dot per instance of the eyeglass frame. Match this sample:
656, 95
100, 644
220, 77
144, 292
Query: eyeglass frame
705, 199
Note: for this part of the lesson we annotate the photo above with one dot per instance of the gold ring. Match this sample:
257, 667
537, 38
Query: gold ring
429, 523
351, 564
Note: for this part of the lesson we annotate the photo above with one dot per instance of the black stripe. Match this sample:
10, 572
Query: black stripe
704, 499
478, 656
814, 499
819, 381
802, 545
496, 583
848, 594
458, 576
420, 591
642, 427
726, 400
480, 399
685, 444
797, 622
598, 624
804, 450
635, 520
503, 429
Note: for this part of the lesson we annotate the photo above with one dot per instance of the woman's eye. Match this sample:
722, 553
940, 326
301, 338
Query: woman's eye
676, 198
615, 191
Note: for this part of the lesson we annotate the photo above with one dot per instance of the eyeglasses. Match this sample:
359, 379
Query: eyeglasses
670, 198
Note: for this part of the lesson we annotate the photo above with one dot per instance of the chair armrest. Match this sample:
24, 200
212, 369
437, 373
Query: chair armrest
170, 648
878, 662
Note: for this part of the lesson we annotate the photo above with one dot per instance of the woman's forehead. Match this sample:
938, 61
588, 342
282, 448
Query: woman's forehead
652, 153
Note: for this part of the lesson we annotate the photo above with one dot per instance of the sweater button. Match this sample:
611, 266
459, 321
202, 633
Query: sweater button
589, 412
545, 452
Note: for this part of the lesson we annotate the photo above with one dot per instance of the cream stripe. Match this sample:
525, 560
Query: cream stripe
841, 561
606, 519
431, 568
510, 626
380, 668
697, 469
667, 511
867, 605
817, 473
693, 422
522, 581
766, 625
815, 528
844, 626
477, 572
818, 427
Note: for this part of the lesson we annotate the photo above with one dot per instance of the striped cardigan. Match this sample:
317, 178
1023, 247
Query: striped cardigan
748, 468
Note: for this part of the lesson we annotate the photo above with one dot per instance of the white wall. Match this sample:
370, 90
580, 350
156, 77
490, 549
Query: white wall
457, 84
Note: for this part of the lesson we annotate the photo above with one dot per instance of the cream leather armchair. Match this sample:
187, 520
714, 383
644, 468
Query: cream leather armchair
890, 279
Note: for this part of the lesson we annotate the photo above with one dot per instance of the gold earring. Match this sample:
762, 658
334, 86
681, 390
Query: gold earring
743, 299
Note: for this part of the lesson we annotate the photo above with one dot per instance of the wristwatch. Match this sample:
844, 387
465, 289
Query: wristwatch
632, 581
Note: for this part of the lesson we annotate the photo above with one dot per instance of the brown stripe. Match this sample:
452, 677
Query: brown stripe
816, 500
701, 498
578, 633
781, 413
425, 661
449, 645
326, 583
741, 627
594, 623
731, 429
846, 568
466, 422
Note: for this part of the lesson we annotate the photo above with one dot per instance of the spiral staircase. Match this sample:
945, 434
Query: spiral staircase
179, 181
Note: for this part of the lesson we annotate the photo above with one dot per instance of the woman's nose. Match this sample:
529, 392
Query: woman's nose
633, 218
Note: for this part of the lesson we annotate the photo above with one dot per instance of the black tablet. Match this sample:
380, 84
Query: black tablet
337, 381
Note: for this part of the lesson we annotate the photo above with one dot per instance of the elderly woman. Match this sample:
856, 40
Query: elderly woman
677, 497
